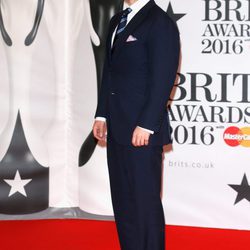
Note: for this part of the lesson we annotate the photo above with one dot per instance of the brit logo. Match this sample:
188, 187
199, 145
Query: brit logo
227, 28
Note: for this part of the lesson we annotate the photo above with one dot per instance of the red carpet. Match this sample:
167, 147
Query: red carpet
100, 235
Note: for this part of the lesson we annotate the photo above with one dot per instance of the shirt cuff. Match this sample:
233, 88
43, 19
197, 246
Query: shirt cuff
148, 130
99, 118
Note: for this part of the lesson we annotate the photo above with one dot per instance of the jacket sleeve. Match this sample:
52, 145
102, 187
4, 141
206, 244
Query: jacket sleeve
101, 110
163, 57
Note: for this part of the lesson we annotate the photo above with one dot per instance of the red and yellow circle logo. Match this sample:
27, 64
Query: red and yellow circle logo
234, 136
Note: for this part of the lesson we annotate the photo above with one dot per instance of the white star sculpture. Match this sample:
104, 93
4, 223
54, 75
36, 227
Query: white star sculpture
17, 184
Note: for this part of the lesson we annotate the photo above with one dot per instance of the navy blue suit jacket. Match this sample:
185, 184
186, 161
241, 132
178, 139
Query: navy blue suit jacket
138, 76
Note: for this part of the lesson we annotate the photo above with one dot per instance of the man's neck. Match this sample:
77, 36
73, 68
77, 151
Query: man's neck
130, 2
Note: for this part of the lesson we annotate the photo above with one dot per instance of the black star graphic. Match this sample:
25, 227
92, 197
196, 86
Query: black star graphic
243, 190
173, 16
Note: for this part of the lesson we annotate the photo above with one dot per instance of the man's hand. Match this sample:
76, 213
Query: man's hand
140, 137
99, 130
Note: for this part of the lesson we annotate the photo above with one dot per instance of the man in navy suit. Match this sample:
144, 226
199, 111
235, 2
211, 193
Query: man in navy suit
142, 56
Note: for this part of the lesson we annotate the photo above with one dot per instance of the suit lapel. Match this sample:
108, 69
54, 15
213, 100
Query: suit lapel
113, 25
136, 20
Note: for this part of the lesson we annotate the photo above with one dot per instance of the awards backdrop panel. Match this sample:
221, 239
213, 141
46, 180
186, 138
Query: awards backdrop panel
52, 57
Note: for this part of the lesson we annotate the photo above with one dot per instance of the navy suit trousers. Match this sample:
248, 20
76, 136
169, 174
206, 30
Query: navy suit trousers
135, 181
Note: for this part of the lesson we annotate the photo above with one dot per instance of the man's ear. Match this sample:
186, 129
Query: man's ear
39, 12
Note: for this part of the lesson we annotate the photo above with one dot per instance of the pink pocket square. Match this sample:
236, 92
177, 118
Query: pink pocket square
131, 38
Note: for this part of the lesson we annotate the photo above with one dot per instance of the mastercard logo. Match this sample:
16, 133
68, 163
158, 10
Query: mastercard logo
234, 136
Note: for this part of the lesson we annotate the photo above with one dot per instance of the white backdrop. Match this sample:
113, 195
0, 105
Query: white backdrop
53, 84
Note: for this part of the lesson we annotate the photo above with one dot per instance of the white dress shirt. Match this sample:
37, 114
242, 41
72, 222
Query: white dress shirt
135, 8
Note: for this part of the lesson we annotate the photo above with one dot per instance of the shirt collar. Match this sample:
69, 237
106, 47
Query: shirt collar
136, 6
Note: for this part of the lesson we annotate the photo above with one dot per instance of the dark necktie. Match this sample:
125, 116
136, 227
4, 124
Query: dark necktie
122, 24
